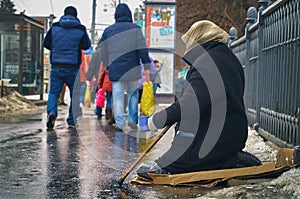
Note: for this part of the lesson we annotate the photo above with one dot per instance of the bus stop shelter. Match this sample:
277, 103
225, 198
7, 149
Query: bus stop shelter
21, 58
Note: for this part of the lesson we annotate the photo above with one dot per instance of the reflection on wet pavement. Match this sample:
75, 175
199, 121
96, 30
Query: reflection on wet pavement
65, 163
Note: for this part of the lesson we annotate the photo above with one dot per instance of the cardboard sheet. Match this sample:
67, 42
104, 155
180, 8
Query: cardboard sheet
213, 177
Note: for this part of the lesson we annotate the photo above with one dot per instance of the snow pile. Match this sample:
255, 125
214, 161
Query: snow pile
289, 182
287, 185
16, 103
256, 145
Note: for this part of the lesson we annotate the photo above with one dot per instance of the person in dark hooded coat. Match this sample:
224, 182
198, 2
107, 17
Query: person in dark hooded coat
122, 48
65, 40
211, 124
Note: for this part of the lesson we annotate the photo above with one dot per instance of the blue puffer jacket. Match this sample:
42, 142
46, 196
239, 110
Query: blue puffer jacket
123, 46
66, 39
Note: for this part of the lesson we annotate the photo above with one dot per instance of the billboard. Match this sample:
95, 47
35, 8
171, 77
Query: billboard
160, 26
167, 71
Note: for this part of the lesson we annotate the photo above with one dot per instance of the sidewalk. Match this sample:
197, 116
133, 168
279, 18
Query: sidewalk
98, 155
36, 99
160, 98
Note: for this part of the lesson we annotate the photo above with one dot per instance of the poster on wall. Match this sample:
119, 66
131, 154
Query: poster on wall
9, 56
167, 71
160, 26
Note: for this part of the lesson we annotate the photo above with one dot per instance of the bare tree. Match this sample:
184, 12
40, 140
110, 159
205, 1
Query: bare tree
7, 7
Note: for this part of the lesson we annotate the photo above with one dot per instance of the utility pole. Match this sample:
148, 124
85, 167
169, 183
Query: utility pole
93, 26
51, 17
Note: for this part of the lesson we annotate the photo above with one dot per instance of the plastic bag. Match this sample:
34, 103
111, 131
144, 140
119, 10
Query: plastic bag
100, 98
87, 97
147, 100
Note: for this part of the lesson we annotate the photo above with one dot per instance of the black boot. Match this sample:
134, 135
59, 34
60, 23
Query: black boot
246, 159
108, 114
98, 111
241, 159
112, 121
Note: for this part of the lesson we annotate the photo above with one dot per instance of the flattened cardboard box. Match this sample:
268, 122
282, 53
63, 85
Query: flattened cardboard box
211, 178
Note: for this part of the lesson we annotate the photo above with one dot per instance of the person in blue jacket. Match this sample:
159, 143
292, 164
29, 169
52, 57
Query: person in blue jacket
122, 48
65, 40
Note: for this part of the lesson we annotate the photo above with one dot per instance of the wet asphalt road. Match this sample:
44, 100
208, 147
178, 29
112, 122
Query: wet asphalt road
82, 163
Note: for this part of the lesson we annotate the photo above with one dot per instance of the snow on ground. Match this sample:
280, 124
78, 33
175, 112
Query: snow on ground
287, 185
15, 103
258, 147
289, 182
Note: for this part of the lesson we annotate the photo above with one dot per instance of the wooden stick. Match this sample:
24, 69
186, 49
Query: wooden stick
163, 132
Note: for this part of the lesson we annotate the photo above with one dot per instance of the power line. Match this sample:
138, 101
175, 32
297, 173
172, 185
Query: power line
22, 7
51, 4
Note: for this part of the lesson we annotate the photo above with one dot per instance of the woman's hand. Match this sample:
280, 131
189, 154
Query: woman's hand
147, 75
151, 125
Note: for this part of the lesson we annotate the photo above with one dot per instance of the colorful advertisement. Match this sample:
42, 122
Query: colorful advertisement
160, 26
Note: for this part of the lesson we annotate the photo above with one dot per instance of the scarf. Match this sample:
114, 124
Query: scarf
201, 32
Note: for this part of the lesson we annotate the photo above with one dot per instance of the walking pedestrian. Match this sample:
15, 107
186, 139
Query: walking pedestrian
156, 81
106, 85
65, 40
121, 48
145, 77
83, 85
211, 124
61, 98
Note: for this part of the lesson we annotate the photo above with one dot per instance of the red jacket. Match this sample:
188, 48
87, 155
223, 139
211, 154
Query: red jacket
104, 81
84, 67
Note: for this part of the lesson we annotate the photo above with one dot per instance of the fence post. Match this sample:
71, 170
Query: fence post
251, 19
265, 4
232, 36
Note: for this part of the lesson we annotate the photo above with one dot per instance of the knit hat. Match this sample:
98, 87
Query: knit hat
70, 10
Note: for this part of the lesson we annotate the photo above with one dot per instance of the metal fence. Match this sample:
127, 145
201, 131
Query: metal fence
270, 52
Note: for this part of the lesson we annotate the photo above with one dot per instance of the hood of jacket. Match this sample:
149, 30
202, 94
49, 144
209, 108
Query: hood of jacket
123, 13
69, 21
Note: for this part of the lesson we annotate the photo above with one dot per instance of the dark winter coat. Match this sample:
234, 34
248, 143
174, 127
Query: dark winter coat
210, 114
122, 46
66, 39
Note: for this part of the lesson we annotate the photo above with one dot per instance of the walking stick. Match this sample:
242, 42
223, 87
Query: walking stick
121, 180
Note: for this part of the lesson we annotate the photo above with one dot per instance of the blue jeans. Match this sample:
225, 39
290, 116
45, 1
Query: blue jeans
118, 89
108, 99
154, 85
82, 92
58, 77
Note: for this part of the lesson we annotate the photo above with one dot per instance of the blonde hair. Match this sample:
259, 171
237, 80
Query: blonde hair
203, 31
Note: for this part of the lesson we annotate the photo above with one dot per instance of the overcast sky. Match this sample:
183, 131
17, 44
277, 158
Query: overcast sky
84, 9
